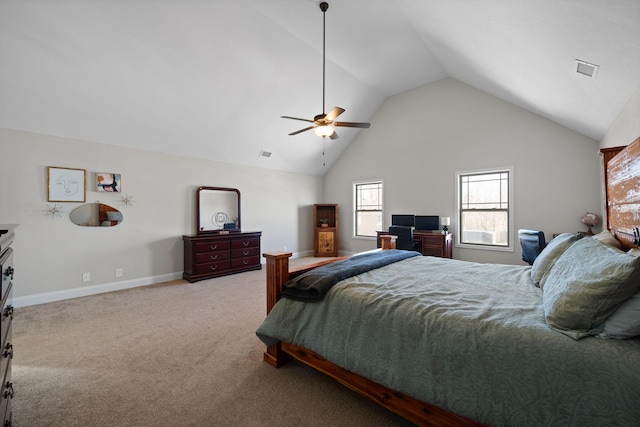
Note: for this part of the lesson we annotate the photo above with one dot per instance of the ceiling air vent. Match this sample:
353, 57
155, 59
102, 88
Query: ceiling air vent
587, 69
265, 153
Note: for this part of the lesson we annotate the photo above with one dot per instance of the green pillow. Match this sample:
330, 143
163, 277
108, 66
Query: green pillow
543, 262
585, 285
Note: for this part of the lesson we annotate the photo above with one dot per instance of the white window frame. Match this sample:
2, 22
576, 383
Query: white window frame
354, 206
510, 210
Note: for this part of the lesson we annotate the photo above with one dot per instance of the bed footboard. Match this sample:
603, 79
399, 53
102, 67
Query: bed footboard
278, 273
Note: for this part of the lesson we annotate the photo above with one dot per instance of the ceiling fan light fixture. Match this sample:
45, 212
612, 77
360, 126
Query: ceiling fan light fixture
324, 131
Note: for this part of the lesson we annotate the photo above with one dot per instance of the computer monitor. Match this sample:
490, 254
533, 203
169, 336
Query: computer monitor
427, 222
405, 220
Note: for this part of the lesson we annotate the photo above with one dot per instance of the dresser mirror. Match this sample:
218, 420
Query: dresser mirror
96, 215
217, 210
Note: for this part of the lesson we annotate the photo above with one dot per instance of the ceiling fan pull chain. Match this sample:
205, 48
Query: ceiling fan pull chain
324, 144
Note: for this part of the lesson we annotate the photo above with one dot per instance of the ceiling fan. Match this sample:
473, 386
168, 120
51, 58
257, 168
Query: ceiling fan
323, 124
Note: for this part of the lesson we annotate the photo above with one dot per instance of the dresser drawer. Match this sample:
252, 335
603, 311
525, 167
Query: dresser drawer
5, 357
429, 251
248, 242
241, 253
211, 257
213, 267
6, 317
212, 246
6, 396
6, 266
250, 261
432, 240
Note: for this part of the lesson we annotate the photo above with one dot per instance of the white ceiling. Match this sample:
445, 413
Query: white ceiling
211, 78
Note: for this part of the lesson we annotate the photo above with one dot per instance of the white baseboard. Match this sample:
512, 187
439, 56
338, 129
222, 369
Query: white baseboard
84, 291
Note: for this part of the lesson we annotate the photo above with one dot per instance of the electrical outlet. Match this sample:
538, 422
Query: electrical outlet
118, 272
86, 277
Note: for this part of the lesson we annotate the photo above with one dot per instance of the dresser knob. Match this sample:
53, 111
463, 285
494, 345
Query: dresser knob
246, 261
8, 311
9, 392
213, 247
214, 267
213, 256
8, 352
245, 243
245, 253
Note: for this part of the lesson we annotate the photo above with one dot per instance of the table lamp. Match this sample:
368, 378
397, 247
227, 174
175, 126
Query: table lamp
590, 219
445, 221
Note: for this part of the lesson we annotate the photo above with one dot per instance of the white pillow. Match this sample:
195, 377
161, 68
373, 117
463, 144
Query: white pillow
586, 285
625, 322
545, 260
607, 238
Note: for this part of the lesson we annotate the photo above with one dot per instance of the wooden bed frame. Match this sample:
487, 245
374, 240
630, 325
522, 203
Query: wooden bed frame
623, 216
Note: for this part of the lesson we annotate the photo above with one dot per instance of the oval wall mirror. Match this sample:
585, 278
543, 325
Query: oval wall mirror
217, 210
96, 215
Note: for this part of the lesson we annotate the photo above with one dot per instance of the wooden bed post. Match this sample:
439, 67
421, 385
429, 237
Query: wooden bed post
277, 275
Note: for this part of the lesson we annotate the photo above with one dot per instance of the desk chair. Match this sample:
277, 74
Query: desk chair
532, 242
405, 238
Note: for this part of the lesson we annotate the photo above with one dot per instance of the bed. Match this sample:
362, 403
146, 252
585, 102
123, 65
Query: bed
449, 342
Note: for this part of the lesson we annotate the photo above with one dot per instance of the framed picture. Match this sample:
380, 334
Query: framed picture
67, 184
111, 182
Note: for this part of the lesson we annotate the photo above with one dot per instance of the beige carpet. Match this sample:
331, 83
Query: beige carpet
173, 354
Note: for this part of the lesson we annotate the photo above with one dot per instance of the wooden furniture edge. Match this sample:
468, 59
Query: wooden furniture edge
276, 355
413, 410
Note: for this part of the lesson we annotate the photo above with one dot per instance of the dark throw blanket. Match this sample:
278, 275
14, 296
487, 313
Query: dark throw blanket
312, 285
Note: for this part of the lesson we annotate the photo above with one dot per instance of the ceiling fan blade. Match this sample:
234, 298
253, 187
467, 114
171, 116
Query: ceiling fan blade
353, 125
297, 118
334, 135
333, 114
302, 130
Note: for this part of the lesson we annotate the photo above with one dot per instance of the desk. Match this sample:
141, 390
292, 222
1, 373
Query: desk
433, 243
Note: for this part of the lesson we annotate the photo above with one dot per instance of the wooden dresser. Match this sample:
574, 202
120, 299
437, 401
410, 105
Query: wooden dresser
213, 255
6, 308
433, 243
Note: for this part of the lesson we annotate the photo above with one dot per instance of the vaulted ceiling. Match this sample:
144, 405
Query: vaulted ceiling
211, 78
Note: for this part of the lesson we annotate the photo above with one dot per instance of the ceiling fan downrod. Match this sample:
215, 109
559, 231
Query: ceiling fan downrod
324, 6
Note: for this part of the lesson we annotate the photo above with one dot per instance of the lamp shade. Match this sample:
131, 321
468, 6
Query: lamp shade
590, 219
445, 220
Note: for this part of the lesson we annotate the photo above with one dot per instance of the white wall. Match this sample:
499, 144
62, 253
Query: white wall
626, 127
420, 138
52, 254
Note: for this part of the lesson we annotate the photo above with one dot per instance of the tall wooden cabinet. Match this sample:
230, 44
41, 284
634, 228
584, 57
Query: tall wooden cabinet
325, 226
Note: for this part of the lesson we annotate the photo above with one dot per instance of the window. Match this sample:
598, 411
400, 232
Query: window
368, 208
484, 209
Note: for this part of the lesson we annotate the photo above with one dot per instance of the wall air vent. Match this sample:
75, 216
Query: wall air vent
265, 153
587, 69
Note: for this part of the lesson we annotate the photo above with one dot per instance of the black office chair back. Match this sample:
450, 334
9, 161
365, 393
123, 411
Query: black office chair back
532, 242
405, 237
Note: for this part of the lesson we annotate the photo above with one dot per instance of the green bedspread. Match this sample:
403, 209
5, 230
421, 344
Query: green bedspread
467, 337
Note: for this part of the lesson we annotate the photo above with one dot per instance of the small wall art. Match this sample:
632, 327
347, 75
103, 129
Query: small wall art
66, 184
111, 182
